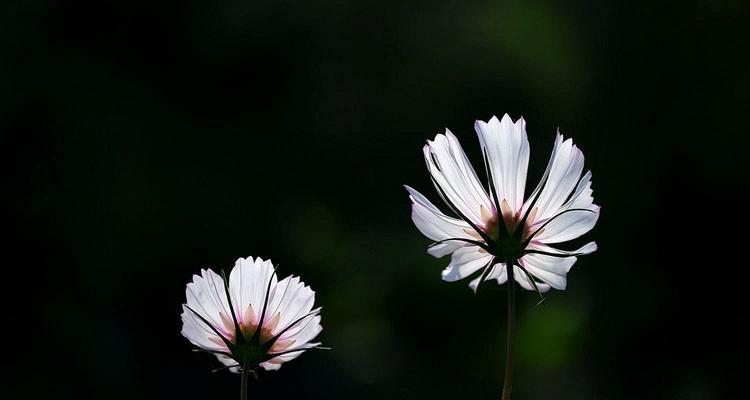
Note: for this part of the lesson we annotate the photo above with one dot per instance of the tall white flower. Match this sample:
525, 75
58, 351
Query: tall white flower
499, 226
250, 319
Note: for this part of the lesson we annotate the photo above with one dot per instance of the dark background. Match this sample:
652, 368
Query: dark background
144, 140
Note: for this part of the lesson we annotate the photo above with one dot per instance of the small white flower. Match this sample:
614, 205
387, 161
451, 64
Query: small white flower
256, 321
503, 225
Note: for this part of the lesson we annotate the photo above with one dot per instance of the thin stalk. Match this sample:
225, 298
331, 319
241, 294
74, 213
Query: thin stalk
243, 387
508, 383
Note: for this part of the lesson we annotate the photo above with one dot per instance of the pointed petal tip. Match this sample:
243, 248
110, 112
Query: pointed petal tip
506, 119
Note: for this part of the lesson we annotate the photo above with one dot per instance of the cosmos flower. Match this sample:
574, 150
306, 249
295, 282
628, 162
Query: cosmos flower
500, 226
250, 319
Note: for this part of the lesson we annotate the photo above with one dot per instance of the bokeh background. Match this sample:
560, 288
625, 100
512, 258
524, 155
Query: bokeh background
144, 140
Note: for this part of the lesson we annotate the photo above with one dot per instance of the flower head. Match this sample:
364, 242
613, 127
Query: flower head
499, 224
250, 319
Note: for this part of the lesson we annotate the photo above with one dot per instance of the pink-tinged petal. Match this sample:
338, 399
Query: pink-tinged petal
464, 262
455, 176
199, 333
295, 300
206, 296
304, 332
248, 282
507, 148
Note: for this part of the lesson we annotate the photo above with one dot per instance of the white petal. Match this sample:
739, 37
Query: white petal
523, 280
563, 170
464, 262
268, 366
567, 226
582, 196
507, 148
301, 341
308, 330
587, 248
295, 301
550, 270
198, 333
207, 296
498, 273
248, 282
276, 362
229, 362
453, 173
436, 225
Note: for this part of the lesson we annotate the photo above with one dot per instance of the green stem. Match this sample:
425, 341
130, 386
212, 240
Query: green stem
508, 383
243, 387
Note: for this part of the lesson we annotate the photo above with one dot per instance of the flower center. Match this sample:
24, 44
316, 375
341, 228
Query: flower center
248, 322
512, 245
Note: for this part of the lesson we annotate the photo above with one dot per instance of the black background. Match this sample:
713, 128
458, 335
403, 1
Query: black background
144, 140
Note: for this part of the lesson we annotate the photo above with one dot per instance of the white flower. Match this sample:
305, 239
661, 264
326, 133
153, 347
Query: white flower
504, 225
256, 321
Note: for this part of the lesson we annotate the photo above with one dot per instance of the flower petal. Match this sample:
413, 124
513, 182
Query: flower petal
198, 333
464, 262
563, 170
455, 176
292, 300
587, 248
525, 283
436, 225
548, 269
248, 282
498, 273
507, 149
567, 226
582, 196
308, 330
207, 296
